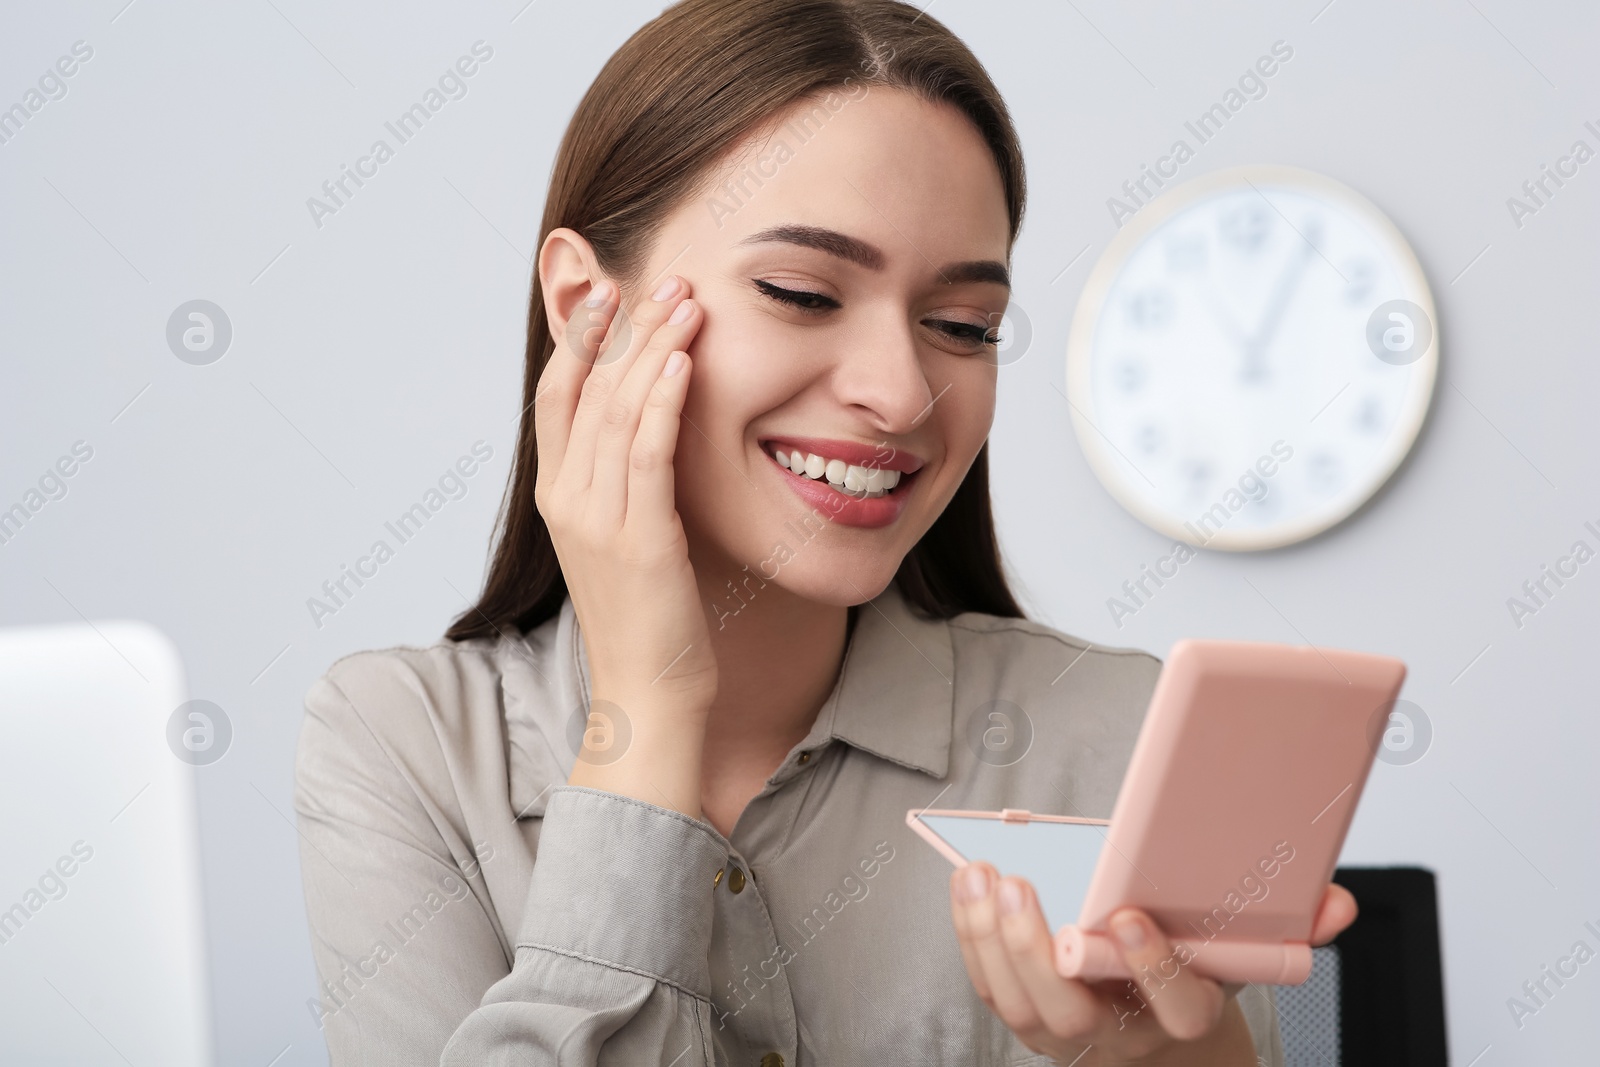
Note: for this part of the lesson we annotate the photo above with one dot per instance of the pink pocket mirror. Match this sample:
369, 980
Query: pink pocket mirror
1231, 816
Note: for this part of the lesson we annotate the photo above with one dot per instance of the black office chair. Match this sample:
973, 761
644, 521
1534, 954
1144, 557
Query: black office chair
1376, 993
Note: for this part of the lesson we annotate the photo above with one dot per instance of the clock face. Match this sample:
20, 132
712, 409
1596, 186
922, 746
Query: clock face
1251, 358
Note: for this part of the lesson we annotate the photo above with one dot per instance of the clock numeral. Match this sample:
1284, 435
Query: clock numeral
1369, 418
1246, 226
1150, 439
1150, 309
1199, 474
1362, 275
1265, 506
1128, 374
1324, 473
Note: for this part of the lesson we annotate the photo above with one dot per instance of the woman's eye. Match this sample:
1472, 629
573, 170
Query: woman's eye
799, 298
967, 333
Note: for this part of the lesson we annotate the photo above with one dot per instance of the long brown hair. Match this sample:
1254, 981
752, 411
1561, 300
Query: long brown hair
679, 95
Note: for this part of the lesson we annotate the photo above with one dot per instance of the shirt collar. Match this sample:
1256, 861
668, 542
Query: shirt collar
894, 698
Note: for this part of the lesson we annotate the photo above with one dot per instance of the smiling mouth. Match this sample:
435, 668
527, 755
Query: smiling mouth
849, 479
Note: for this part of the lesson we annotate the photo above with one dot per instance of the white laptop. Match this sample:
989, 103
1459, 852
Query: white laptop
102, 952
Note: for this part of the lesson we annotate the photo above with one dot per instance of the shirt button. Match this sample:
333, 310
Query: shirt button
736, 883
718, 879
772, 1059
805, 757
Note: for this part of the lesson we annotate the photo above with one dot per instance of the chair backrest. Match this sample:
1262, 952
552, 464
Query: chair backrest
1376, 993
102, 951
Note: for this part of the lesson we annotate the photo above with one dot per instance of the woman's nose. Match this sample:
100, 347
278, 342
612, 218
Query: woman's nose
881, 373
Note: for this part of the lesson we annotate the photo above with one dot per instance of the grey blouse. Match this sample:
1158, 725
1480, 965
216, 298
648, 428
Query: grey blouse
468, 907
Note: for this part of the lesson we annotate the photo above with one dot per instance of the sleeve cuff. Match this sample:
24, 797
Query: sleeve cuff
625, 883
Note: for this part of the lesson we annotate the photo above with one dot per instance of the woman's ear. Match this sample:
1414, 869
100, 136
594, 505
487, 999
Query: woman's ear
568, 269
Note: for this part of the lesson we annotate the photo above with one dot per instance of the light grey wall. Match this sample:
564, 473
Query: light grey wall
371, 352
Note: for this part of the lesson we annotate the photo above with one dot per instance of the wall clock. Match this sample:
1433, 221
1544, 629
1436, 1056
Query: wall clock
1252, 357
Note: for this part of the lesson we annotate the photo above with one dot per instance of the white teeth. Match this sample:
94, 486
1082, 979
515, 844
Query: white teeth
849, 478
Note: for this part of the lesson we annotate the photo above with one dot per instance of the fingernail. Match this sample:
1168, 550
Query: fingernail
1130, 932
668, 287
1010, 898
977, 882
599, 296
684, 310
674, 365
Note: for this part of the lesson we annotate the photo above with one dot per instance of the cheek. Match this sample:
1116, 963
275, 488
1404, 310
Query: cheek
969, 410
966, 414
743, 368
741, 372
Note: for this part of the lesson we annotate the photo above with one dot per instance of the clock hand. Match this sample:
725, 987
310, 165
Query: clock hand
1288, 282
1219, 314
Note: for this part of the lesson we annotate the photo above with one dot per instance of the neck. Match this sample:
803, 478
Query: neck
778, 657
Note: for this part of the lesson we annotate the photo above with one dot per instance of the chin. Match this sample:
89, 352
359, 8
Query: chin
818, 569
832, 581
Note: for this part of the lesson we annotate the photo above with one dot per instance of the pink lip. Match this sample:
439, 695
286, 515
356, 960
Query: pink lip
870, 512
881, 456
848, 510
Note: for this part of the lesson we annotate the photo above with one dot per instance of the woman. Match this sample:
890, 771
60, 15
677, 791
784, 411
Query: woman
646, 802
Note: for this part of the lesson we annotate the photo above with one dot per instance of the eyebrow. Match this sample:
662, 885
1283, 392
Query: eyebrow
854, 250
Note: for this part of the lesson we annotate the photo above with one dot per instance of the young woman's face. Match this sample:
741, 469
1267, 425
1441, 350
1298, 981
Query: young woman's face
851, 269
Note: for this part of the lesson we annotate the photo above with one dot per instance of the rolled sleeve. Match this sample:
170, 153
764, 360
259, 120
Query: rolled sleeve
611, 962
626, 884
